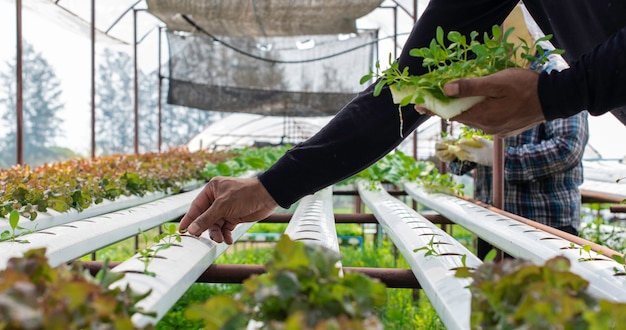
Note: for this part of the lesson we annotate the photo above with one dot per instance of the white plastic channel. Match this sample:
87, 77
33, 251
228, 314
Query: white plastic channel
314, 221
448, 294
53, 218
617, 190
176, 268
604, 170
69, 241
523, 241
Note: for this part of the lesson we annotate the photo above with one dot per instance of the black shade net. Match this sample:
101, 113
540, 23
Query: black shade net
294, 76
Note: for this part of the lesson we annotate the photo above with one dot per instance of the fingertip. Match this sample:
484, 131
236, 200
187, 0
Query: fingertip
421, 110
216, 236
228, 238
194, 229
451, 88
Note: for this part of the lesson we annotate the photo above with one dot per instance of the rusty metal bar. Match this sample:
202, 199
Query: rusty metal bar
19, 105
160, 84
566, 236
235, 274
354, 193
497, 189
354, 218
135, 84
596, 197
93, 79
498, 172
621, 208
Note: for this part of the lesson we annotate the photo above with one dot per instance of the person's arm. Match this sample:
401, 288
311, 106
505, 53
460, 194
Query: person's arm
369, 127
361, 133
561, 150
596, 82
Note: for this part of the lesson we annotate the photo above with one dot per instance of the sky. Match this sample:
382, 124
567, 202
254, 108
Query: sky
68, 52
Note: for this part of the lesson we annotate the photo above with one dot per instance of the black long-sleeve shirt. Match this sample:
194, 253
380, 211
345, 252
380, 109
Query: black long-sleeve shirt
592, 33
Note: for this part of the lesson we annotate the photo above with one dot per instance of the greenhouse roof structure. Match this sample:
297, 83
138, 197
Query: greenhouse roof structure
239, 130
245, 18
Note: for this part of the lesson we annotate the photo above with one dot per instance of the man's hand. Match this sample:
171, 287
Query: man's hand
476, 149
511, 105
223, 204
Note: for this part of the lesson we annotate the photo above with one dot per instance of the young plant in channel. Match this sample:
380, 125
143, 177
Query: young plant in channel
621, 270
14, 218
432, 248
165, 240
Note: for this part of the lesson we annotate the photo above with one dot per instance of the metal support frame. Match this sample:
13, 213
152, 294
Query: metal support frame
135, 85
235, 274
160, 84
93, 79
19, 108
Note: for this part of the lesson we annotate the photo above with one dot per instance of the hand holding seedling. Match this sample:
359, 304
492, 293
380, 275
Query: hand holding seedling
442, 151
511, 103
476, 149
224, 203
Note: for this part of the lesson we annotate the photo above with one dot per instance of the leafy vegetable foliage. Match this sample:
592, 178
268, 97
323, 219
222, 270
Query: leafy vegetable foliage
243, 160
455, 58
395, 167
80, 183
168, 238
9, 235
34, 295
398, 168
517, 294
301, 289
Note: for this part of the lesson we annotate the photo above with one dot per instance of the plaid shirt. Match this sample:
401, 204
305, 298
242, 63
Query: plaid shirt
542, 172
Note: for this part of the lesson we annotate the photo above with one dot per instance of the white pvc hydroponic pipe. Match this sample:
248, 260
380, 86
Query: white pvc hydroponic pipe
52, 218
408, 230
523, 241
176, 269
314, 221
75, 239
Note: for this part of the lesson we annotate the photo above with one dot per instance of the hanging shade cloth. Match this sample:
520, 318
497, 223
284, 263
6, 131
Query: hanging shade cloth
294, 76
263, 18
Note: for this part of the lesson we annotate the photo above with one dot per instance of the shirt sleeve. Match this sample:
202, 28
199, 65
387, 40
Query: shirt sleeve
594, 82
561, 149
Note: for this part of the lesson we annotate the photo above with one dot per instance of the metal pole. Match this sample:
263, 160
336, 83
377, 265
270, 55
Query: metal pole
498, 179
395, 31
237, 273
93, 79
136, 83
19, 105
159, 93
415, 131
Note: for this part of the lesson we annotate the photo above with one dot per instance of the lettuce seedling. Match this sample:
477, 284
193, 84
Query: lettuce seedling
452, 59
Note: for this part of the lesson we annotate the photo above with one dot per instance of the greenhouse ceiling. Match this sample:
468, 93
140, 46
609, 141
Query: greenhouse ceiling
251, 18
